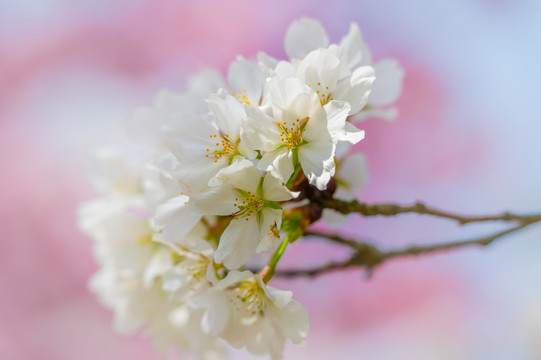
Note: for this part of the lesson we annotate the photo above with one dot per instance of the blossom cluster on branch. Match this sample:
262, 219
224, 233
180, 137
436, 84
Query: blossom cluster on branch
234, 165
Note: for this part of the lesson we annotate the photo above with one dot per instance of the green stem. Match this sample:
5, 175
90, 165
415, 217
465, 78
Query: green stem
270, 269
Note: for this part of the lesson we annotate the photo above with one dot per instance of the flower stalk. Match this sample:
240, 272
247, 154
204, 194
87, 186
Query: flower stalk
269, 270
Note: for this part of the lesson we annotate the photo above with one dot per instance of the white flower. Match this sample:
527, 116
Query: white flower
174, 219
297, 124
306, 35
109, 171
389, 76
169, 323
352, 175
246, 312
120, 181
167, 200
331, 78
133, 266
250, 199
130, 280
121, 238
158, 185
146, 123
386, 90
189, 278
322, 70
203, 147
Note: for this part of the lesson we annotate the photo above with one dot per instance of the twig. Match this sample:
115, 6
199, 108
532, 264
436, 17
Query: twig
366, 255
390, 209
315, 271
334, 238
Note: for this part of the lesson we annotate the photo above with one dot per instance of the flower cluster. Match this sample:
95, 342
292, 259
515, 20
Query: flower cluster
230, 161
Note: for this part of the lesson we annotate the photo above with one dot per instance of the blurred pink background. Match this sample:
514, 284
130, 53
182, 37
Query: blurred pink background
466, 139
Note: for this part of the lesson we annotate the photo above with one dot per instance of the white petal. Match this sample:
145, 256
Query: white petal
159, 186
228, 112
303, 36
219, 312
342, 149
337, 113
184, 154
259, 132
269, 240
192, 131
274, 189
283, 92
267, 60
145, 125
353, 171
388, 84
234, 277
317, 161
279, 163
170, 102
211, 273
285, 69
175, 218
339, 128
158, 265
384, 114
357, 91
264, 337
320, 69
357, 52
304, 105
343, 69
293, 320
238, 242
167, 101
195, 170
280, 298
317, 128
353, 134
244, 75
242, 175
109, 171
206, 82
94, 214
198, 244
218, 200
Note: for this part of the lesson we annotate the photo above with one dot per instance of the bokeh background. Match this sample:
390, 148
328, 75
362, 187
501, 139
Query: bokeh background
467, 139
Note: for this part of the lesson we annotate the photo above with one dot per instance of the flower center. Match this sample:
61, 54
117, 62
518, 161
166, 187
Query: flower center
323, 93
291, 134
248, 205
251, 297
198, 272
145, 240
224, 146
241, 96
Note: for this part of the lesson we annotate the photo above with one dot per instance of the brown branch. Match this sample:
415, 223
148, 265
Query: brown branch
334, 238
391, 209
366, 255
332, 266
